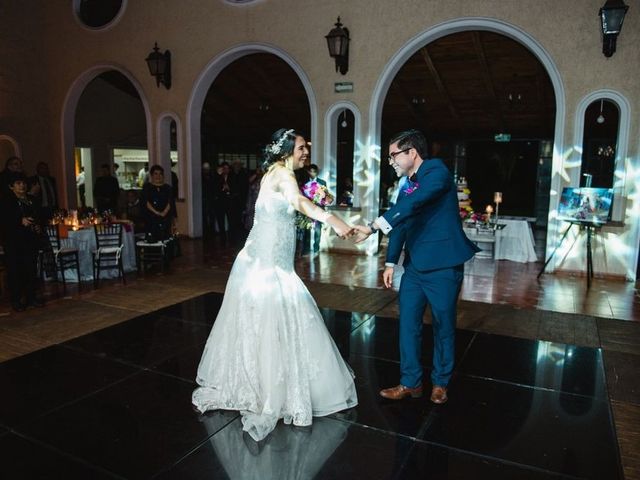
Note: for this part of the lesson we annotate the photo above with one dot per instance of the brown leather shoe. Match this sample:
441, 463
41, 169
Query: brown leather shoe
400, 391
439, 394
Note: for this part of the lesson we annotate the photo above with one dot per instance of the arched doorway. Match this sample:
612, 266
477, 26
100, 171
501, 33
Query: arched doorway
195, 129
414, 46
117, 91
8, 148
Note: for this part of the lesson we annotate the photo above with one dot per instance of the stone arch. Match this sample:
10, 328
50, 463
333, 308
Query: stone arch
201, 87
67, 122
434, 33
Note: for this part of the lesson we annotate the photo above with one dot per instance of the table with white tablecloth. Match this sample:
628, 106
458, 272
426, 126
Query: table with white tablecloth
516, 242
513, 242
84, 240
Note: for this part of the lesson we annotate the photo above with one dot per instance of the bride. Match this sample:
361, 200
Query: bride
269, 354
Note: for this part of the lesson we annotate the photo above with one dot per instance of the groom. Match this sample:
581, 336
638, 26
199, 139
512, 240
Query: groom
426, 220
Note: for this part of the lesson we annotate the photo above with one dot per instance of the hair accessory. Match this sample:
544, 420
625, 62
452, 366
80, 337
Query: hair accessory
275, 147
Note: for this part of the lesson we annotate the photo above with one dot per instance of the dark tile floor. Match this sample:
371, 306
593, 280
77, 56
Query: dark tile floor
116, 404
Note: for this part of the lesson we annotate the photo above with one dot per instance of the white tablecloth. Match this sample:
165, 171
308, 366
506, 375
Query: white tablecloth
514, 242
85, 241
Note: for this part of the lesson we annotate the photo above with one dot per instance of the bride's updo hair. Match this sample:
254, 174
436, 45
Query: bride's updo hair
281, 146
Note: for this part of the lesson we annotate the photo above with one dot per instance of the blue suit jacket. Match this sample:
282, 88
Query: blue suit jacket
427, 221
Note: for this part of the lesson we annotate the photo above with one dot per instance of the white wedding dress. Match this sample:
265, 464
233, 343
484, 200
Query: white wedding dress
269, 354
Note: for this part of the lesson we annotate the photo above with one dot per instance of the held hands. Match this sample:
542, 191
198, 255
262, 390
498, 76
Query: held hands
361, 233
343, 232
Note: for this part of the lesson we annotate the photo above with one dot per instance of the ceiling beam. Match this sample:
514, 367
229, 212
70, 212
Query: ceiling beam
406, 99
439, 84
264, 79
488, 81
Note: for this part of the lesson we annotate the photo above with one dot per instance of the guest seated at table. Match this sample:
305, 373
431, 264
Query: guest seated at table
134, 211
22, 234
160, 208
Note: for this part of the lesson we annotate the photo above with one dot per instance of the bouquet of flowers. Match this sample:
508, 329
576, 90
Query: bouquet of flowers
319, 195
466, 212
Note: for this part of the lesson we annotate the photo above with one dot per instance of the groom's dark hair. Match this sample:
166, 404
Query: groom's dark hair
412, 139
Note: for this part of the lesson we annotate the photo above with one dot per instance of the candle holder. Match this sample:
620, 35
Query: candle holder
497, 199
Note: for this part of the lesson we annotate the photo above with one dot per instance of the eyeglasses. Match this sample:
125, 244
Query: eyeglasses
392, 155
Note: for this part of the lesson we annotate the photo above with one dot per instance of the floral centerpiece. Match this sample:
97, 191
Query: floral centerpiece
318, 194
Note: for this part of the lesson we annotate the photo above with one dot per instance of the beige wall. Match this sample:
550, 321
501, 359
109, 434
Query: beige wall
197, 32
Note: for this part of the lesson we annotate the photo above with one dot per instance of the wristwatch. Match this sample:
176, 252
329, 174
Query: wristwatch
373, 229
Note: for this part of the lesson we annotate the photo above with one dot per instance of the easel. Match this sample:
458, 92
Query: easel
590, 227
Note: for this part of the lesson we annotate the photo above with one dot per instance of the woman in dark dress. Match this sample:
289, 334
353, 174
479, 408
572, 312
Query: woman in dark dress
159, 204
21, 233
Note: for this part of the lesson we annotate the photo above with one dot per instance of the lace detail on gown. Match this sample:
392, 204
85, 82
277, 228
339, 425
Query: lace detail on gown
269, 354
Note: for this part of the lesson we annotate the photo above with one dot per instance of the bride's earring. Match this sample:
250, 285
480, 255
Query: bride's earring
288, 162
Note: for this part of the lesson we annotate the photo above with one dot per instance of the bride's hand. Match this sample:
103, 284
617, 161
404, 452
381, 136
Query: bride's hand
343, 231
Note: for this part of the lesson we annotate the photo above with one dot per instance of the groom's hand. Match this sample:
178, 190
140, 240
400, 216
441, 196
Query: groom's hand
387, 277
362, 232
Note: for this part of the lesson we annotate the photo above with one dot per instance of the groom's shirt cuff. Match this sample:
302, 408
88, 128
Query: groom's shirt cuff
383, 224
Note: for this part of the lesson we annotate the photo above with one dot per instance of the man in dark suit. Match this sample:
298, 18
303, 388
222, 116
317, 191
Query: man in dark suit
45, 193
426, 220
106, 190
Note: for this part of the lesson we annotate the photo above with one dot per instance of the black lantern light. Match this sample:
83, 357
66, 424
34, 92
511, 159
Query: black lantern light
338, 43
611, 18
160, 66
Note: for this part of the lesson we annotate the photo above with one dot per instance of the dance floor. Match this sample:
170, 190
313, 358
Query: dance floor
115, 403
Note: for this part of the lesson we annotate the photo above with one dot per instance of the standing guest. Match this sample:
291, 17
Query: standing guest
313, 234
159, 205
225, 192
426, 219
119, 174
252, 197
241, 181
12, 165
47, 195
345, 198
106, 190
143, 175
21, 231
80, 179
174, 182
208, 217
134, 211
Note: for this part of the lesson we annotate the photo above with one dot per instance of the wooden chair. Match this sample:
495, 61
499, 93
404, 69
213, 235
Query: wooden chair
151, 253
56, 258
108, 252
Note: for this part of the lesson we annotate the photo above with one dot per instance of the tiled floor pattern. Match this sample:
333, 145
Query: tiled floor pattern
116, 404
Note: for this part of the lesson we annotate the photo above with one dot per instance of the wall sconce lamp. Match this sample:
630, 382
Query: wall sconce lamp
611, 17
160, 66
338, 43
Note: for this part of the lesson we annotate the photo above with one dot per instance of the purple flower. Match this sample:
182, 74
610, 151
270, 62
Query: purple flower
411, 187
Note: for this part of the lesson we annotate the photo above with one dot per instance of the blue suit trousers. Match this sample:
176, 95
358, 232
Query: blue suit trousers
440, 289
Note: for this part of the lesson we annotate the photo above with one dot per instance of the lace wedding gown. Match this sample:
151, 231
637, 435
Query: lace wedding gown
269, 354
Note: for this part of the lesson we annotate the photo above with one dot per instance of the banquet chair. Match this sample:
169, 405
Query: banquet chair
108, 252
56, 258
150, 253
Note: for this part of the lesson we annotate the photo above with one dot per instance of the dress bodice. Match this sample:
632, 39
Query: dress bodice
272, 237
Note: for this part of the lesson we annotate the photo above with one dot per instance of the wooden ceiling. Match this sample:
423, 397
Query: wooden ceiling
470, 85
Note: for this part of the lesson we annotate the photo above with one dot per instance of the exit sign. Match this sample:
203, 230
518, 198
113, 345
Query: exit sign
502, 137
